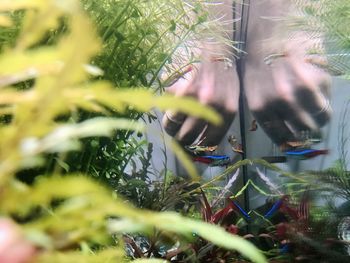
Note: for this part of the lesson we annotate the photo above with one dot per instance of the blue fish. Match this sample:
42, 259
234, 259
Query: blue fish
216, 157
305, 153
213, 160
273, 209
285, 249
243, 212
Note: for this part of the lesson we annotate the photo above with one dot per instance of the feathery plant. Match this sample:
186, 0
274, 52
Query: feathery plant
72, 217
330, 19
140, 37
330, 218
337, 178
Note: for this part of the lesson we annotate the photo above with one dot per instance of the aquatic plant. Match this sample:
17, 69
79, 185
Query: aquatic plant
141, 40
71, 217
329, 20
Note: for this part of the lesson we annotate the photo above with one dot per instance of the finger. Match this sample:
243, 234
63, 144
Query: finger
13, 246
295, 118
274, 125
286, 104
172, 122
317, 60
312, 91
297, 84
316, 104
191, 129
322, 62
214, 134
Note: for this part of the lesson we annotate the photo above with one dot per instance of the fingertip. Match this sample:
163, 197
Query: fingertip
274, 126
214, 134
172, 122
191, 131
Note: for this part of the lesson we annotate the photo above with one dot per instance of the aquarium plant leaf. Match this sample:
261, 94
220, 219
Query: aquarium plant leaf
64, 138
12, 5
185, 159
206, 208
45, 67
5, 21
328, 20
89, 202
110, 255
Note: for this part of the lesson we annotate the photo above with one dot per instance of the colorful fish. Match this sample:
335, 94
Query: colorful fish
236, 147
242, 211
199, 149
305, 153
295, 144
213, 160
276, 206
302, 144
305, 141
202, 159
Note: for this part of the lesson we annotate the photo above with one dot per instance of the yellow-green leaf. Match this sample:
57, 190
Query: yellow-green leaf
185, 160
11, 5
5, 21
149, 260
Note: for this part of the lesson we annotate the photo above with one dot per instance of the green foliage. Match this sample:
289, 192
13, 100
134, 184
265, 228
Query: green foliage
79, 215
65, 61
140, 37
61, 214
330, 19
107, 255
140, 40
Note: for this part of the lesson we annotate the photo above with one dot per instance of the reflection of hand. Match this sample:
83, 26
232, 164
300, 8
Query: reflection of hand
213, 84
286, 94
13, 247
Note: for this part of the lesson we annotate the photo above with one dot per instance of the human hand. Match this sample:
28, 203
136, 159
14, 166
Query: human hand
214, 84
286, 94
13, 247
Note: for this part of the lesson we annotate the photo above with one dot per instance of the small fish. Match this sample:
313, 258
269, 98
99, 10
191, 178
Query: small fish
305, 144
297, 144
253, 126
236, 147
292, 145
213, 160
306, 153
199, 149
243, 212
202, 159
285, 248
273, 209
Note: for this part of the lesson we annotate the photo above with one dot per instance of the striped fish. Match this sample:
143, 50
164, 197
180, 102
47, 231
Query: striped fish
305, 153
213, 160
